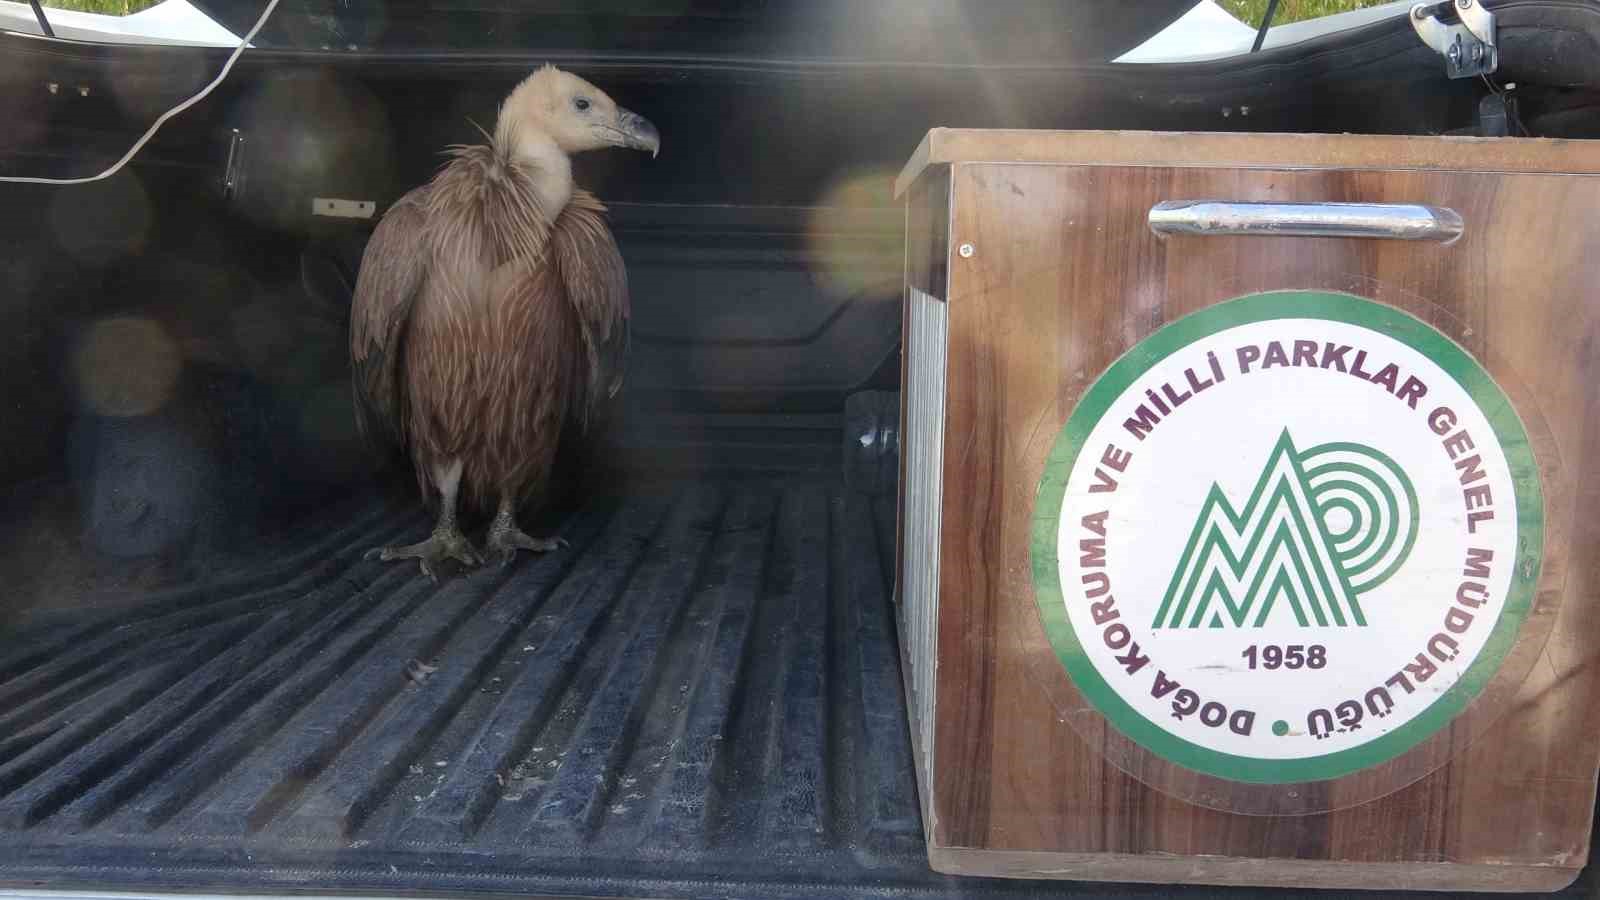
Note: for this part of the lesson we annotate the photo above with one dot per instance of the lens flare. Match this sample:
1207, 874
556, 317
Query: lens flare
127, 366
853, 234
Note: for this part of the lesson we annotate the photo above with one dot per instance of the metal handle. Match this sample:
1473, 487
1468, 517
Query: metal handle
1394, 221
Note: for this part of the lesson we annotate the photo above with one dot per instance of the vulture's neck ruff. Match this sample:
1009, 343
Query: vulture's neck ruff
509, 191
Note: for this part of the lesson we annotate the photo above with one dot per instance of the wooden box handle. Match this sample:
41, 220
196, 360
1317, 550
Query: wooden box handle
1391, 221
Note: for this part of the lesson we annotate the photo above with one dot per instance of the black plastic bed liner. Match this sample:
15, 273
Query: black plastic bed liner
701, 697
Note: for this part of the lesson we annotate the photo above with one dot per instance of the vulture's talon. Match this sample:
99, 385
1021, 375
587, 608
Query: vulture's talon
506, 538
443, 544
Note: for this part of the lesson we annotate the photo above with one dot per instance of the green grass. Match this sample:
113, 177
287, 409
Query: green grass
1251, 11
108, 7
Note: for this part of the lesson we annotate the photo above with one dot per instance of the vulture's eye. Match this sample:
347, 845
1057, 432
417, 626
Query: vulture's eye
581, 103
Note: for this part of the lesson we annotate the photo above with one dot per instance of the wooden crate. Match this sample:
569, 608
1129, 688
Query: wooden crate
1188, 593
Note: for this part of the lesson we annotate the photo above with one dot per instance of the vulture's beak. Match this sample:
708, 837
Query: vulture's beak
636, 133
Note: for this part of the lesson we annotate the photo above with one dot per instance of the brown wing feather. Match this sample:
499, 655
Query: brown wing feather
596, 282
478, 329
391, 276
487, 382
485, 365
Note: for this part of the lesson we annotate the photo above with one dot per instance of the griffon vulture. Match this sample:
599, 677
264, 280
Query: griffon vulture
491, 309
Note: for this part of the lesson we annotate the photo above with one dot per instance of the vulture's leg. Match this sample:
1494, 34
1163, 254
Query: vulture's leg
447, 541
506, 538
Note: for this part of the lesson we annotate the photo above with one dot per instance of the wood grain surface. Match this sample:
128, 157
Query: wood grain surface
1243, 150
1066, 277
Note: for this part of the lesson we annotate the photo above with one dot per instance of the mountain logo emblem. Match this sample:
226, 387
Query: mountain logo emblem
1282, 539
1321, 527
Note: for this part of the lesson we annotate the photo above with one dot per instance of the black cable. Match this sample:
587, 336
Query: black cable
1261, 33
44, 24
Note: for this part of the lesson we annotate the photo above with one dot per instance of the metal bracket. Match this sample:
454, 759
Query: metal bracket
233, 169
1462, 31
343, 209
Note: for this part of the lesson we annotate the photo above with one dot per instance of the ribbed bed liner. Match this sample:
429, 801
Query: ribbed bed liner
701, 695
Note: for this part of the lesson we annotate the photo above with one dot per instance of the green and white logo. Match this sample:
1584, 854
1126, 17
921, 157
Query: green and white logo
1320, 528
1288, 537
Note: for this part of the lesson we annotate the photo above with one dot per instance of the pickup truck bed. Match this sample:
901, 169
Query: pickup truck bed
203, 684
701, 694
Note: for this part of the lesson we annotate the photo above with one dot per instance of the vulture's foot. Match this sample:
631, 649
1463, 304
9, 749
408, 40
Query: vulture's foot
446, 543
505, 538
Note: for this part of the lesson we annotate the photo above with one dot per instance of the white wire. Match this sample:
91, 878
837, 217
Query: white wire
139, 144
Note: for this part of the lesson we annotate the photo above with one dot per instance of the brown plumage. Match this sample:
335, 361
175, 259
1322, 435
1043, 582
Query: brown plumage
492, 309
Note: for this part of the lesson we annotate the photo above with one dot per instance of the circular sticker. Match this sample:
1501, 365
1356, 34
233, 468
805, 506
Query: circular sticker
1288, 537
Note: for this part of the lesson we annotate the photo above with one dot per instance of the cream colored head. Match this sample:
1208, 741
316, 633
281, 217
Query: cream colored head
572, 113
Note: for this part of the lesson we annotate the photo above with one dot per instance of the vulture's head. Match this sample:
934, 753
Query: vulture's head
574, 114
